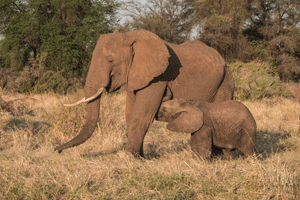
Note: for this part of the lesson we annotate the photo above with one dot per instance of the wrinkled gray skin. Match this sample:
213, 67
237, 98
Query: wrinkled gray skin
221, 127
147, 64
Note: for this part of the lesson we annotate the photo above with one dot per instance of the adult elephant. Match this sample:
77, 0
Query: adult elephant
147, 64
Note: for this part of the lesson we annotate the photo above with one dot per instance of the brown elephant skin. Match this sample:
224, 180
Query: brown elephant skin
216, 128
147, 64
298, 95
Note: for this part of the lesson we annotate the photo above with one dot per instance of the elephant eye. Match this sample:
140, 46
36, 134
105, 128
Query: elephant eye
110, 59
176, 115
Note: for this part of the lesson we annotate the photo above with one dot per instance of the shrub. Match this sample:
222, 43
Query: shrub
51, 81
285, 50
256, 80
23, 83
259, 50
267, 86
288, 68
38, 80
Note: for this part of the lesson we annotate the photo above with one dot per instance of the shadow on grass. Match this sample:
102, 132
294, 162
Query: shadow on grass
98, 154
151, 150
23, 130
268, 143
34, 127
157, 150
103, 153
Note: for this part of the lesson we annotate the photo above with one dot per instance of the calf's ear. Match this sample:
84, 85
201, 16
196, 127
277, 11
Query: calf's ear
187, 120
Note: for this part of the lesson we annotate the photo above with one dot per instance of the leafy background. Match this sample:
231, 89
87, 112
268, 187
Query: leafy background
58, 36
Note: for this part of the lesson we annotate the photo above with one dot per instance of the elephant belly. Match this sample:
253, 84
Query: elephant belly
199, 85
200, 72
224, 139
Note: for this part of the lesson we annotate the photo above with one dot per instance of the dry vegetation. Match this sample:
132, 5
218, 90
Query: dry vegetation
102, 169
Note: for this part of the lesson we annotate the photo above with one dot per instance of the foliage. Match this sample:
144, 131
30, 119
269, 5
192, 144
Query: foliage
265, 86
250, 29
51, 81
271, 18
276, 23
256, 80
23, 83
221, 24
286, 52
59, 35
38, 80
259, 50
63, 31
169, 19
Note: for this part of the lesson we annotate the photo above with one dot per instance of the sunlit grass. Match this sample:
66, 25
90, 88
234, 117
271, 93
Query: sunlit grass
102, 169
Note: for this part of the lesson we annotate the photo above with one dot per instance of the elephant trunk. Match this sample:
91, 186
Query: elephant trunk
93, 108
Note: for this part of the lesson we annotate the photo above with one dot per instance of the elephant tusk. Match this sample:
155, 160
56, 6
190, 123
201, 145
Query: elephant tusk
86, 100
77, 103
94, 96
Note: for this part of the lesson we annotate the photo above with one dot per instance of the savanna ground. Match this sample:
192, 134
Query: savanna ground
101, 168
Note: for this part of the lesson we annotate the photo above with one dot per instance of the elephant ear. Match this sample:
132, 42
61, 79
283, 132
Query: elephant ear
188, 120
150, 58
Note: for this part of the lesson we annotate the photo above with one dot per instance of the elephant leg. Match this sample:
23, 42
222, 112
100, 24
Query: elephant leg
130, 100
226, 89
216, 152
201, 142
143, 110
227, 154
247, 142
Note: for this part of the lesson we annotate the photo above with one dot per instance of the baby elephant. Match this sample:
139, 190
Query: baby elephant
219, 127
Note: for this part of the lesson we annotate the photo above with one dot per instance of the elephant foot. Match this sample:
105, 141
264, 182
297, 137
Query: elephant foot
135, 153
216, 152
227, 154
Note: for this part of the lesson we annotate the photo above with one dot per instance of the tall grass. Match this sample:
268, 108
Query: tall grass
102, 169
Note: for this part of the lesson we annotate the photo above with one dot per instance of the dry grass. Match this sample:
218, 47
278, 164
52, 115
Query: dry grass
102, 169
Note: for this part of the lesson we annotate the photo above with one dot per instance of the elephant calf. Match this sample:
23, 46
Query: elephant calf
219, 127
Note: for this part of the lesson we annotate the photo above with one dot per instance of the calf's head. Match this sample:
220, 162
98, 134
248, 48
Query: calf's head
181, 116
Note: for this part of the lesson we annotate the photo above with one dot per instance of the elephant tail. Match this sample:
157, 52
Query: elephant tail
226, 88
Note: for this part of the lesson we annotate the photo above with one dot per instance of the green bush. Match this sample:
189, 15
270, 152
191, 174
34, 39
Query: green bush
285, 50
267, 86
63, 31
256, 80
288, 67
38, 80
259, 50
51, 81
23, 83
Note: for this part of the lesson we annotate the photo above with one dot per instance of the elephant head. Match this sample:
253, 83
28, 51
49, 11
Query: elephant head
134, 58
181, 116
